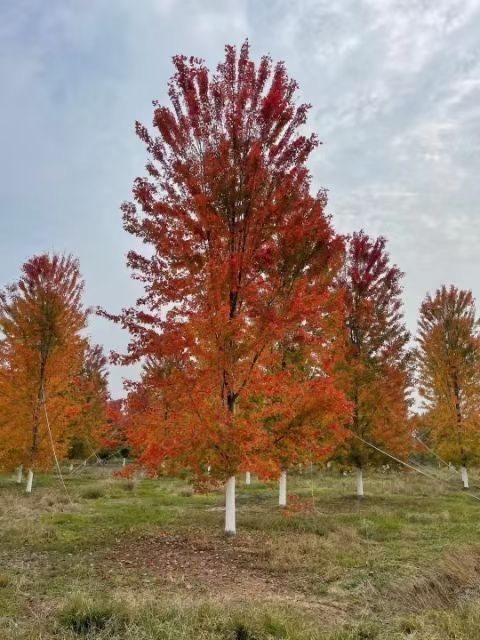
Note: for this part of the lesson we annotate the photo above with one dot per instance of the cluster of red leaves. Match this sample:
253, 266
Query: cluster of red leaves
298, 506
375, 370
114, 434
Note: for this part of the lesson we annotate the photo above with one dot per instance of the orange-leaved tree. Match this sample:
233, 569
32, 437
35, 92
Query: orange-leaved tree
114, 436
448, 372
375, 372
304, 416
41, 319
237, 248
89, 395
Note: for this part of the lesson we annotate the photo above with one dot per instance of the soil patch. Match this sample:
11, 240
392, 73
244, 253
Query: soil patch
233, 568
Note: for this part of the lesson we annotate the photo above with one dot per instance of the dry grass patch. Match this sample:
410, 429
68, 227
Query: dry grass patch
454, 578
309, 551
13, 505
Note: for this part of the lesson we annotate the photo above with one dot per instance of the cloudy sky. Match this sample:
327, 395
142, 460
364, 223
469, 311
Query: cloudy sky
395, 89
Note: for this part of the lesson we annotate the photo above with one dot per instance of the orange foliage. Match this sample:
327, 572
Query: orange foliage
41, 319
89, 398
114, 433
242, 262
375, 372
448, 358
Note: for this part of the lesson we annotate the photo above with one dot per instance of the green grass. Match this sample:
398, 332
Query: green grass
147, 560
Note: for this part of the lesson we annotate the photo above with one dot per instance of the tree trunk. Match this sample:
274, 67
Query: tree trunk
28, 488
19, 475
282, 495
464, 472
359, 473
230, 526
230, 509
248, 477
458, 411
36, 410
35, 429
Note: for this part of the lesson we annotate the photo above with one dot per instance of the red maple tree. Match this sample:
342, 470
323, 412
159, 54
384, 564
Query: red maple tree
89, 395
375, 371
114, 437
240, 255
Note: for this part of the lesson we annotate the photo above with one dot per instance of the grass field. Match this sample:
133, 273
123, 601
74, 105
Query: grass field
148, 560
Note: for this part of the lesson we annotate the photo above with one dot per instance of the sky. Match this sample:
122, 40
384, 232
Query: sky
395, 93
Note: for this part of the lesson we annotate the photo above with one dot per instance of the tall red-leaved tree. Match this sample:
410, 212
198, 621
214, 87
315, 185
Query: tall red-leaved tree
240, 256
375, 372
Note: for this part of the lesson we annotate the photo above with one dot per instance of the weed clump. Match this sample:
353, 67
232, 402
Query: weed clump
85, 617
241, 632
443, 586
93, 493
